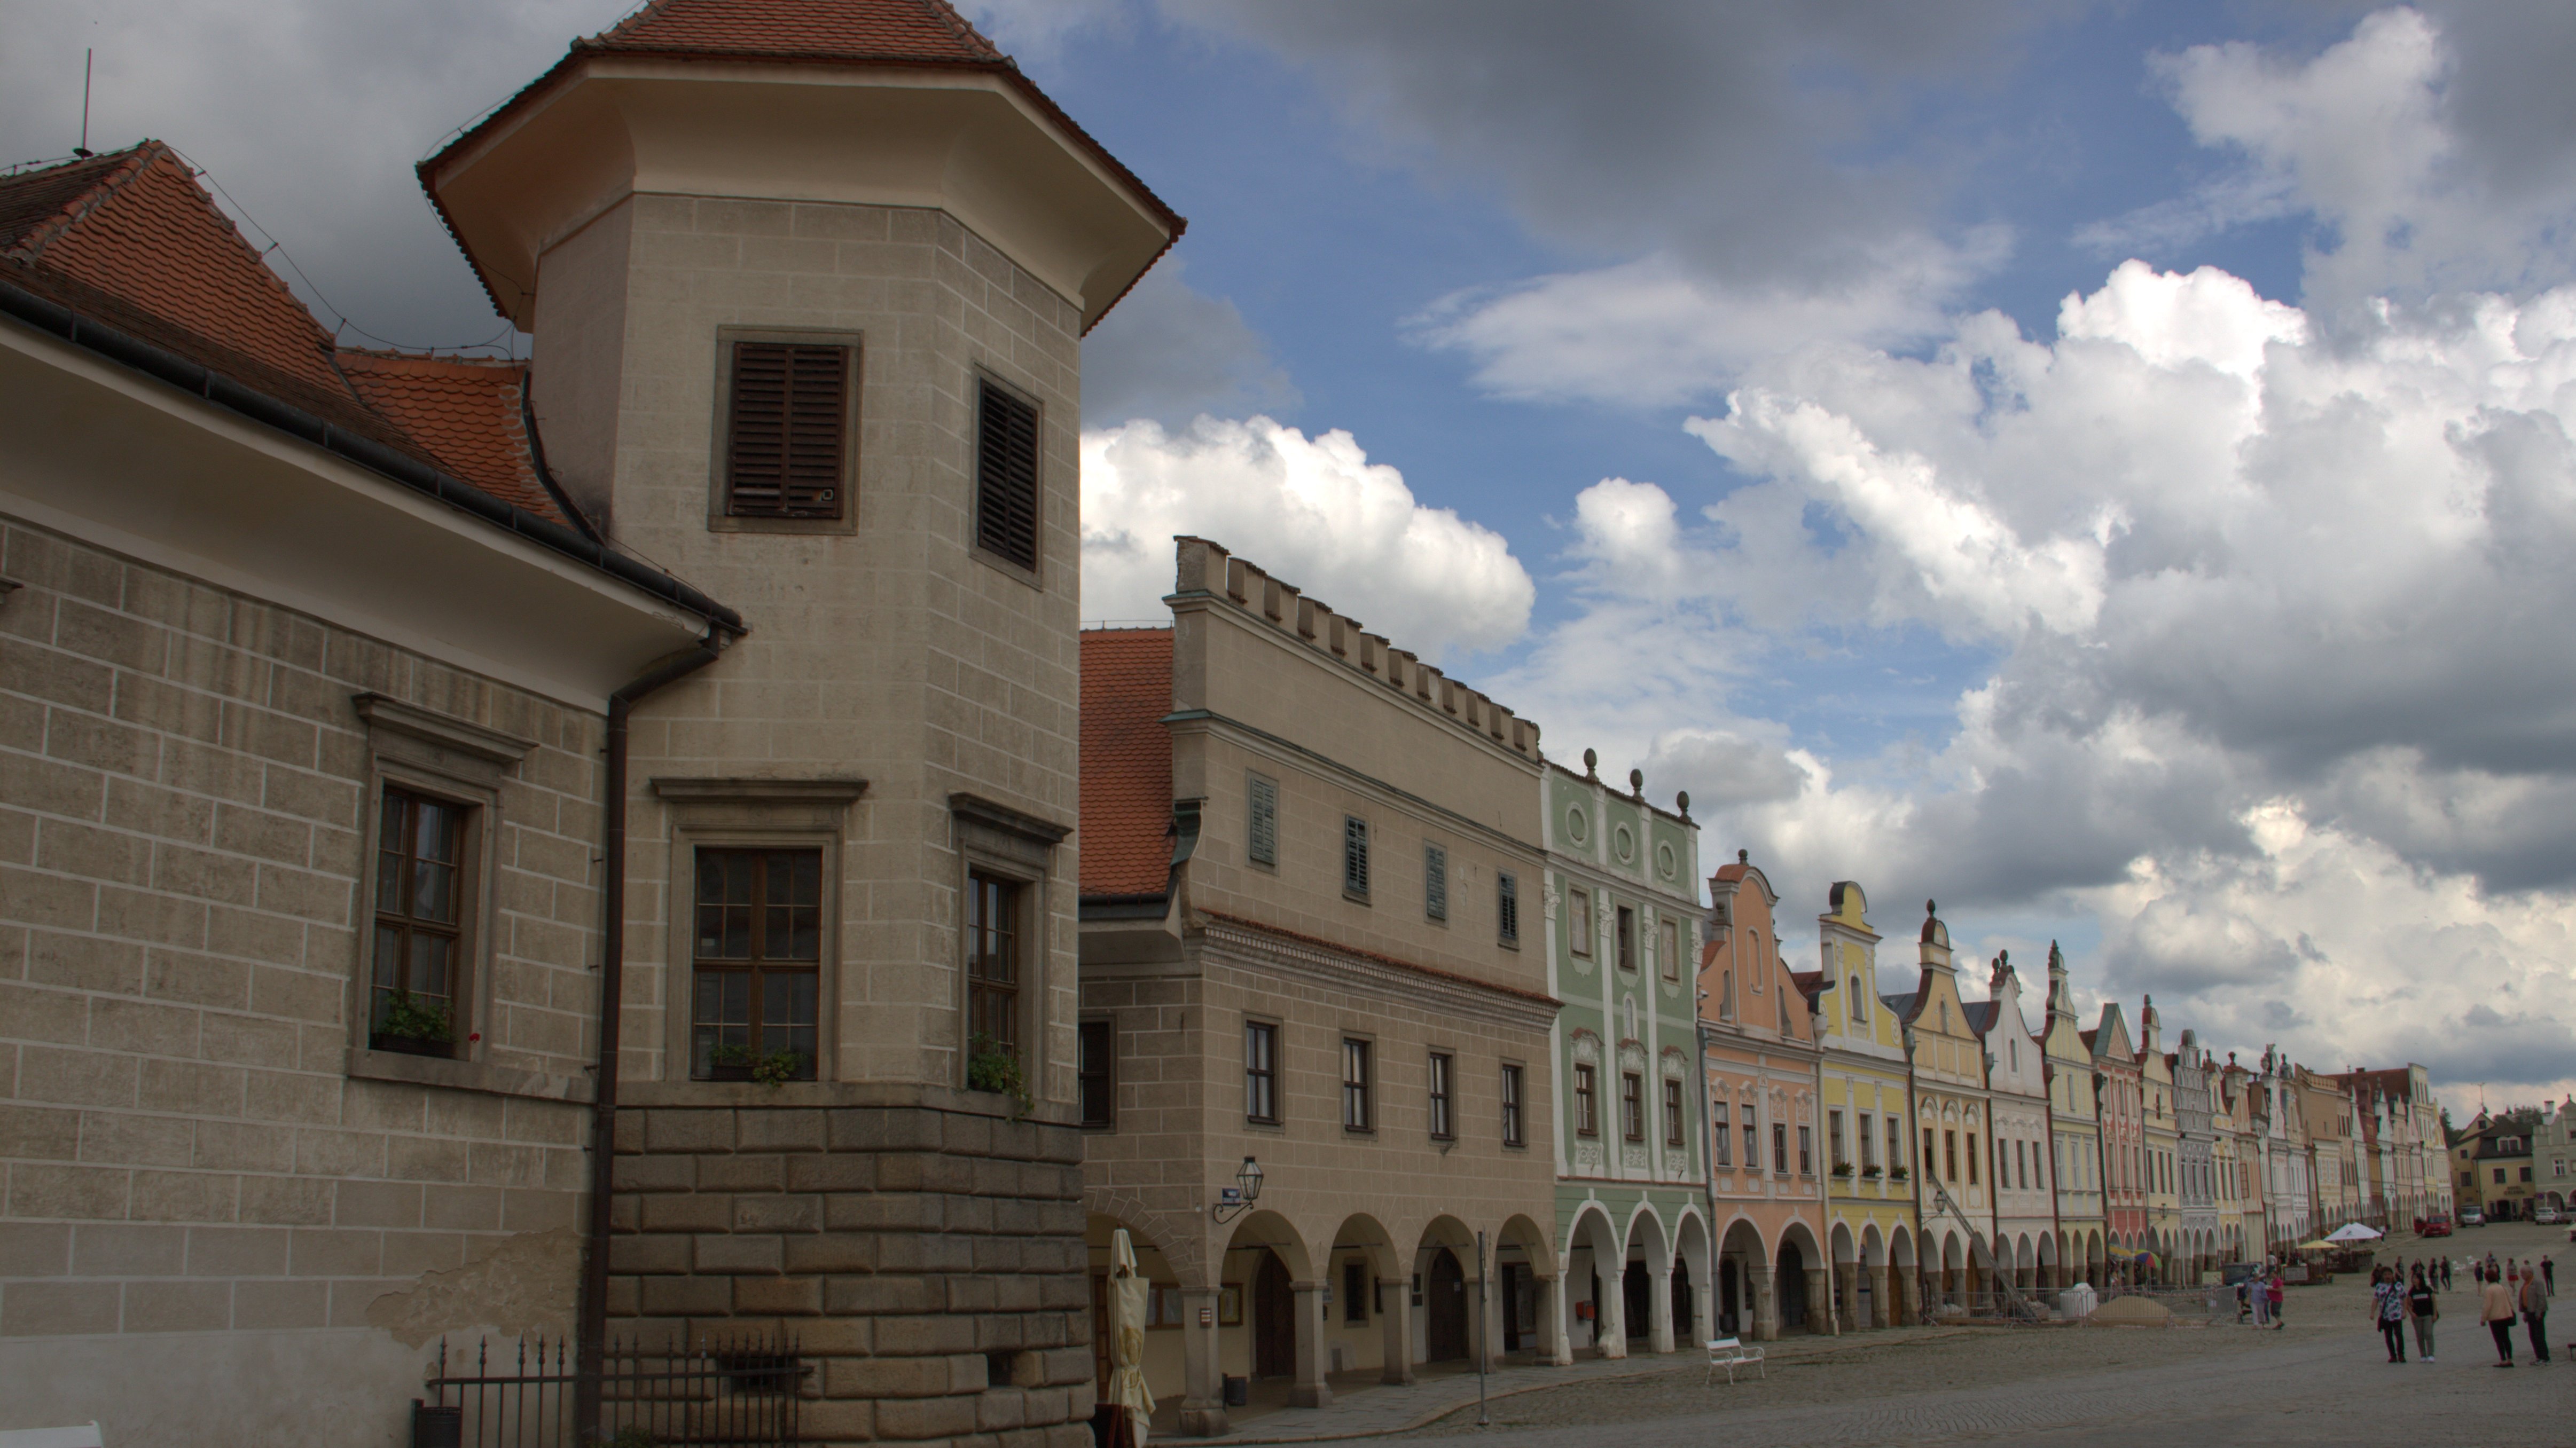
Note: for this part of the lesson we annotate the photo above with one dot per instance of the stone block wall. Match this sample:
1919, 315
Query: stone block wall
927, 1258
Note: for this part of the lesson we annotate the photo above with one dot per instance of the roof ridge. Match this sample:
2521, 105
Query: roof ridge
112, 180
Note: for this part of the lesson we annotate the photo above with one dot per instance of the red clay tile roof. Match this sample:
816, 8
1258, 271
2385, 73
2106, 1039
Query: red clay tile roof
1126, 761
819, 32
465, 411
132, 240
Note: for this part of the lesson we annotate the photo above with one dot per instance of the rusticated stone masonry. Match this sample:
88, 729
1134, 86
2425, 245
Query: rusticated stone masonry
930, 1260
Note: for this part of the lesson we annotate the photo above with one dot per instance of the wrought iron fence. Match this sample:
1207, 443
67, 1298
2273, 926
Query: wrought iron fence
736, 1391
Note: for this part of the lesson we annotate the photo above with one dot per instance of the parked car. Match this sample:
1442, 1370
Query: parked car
2548, 1216
2436, 1225
2472, 1217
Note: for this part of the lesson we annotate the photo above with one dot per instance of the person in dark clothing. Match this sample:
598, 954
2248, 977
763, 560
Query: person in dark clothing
2535, 1315
2388, 1309
2425, 1308
2446, 1274
2549, 1275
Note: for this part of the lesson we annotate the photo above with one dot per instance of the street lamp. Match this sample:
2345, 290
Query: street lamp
1232, 1201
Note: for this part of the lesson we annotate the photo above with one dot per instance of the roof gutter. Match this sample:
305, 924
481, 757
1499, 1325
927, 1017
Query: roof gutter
54, 319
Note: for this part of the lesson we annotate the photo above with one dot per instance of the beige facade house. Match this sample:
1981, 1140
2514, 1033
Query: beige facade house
1310, 949
349, 750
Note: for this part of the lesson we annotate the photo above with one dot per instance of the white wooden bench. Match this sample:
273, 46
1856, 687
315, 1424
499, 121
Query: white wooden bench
1732, 1353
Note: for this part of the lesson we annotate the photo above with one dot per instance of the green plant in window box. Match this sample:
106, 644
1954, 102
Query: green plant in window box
1896, 1173
1870, 1171
736, 1062
1842, 1169
994, 1066
409, 1023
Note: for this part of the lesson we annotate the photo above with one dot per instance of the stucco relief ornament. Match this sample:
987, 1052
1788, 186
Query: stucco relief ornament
1587, 1047
1632, 1056
1587, 1158
1634, 1158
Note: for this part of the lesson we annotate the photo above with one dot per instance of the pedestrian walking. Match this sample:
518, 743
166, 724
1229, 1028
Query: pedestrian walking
2549, 1275
2496, 1310
2446, 1274
2272, 1295
2535, 1317
2426, 1309
2388, 1309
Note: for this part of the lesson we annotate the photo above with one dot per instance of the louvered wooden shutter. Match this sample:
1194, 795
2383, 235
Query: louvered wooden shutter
1006, 476
790, 430
1265, 821
1435, 882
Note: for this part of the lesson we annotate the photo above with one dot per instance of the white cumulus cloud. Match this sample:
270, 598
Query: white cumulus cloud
1314, 511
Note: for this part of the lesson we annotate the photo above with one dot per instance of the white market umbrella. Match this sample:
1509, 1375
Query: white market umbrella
1130, 1296
2353, 1232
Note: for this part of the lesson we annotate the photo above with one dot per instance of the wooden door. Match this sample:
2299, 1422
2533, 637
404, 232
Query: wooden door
1274, 1320
1444, 1304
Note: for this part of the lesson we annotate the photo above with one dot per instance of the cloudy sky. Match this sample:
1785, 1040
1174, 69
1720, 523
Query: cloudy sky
2106, 466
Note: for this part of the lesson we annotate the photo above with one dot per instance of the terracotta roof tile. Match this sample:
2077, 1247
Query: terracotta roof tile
845, 30
1126, 761
465, 412
132, 240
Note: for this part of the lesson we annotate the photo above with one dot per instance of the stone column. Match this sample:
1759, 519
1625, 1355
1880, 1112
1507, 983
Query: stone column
1202, 1369
1820, 1285
1881, 1309
1395, 1326
1659, 1309
1309, 1390
1610, 1329
1766, 1306
1555, 1342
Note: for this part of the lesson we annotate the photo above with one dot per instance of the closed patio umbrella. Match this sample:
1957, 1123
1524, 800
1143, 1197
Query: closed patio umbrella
1130, 1296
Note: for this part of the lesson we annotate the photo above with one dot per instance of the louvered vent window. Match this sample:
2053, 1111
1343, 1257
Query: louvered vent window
1006, 476
1435, 882
789, 448
1507, 907
1265, 821
1355, 852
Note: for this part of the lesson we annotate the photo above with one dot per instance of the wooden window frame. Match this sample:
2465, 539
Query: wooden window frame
1261, 1076
1587, 1099
1780, 1148
1672, 1112
1834, 1138
1096, 1072
1355, 858
1261, 820
1515, 1086
1632, 1106
1721, 1149
996, 894
392, 797
991, 531
1359, 1085
1440, 1088
721, 515
1627, 938
762, 964
1806, 1151
1578, 920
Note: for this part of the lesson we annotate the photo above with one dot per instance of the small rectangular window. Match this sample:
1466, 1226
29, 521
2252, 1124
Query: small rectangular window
993, 934
1780, 1148
1721, 1141
1752, 1143
1672, 1113
1435, 882
1895, 1143
1627, 937
1806, 1151
1098, 1074
1578, 920
1355, 856
1949, 1156
1443, 1121
1587, 1110
1355, 1284
787, 439
1261, 1072
756, 960
1357, 1114
1868, 1146
1834, 1139
1632, 1106
1512, 1106
1672, 950
1263, 842
422, 879
1006, 476
1507, 908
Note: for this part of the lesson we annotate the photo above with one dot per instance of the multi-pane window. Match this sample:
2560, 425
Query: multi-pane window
1443, 1120
1355, 856
1587, 1109
1261, 1072
1096, 1072
1780, 1148
1357, 1114
1895, 1142
1672, 1113
1627, 937
757, 960
1006, 476
1672, 950
1435, 882
1578, 920
1949, 1156
1632, 1106
1507, 908
1806, 1151
420, 909
1263, 842
1834, 1139
1512, 1133
993, 962
1722, 1140
1752, 1144
787, 440
1868, 1148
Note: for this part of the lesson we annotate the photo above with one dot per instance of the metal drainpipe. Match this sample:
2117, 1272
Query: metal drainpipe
612, 978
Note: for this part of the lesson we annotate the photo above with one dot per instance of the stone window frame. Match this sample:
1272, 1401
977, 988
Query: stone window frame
1513, 1081
981, 374
719, 517
463, 763
732, 813
1003, 843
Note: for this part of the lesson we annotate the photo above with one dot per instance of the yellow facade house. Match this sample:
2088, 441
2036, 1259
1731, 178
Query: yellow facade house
1863, 1074
1955, 1197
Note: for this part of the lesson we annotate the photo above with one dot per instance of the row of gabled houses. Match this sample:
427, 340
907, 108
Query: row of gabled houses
634, 843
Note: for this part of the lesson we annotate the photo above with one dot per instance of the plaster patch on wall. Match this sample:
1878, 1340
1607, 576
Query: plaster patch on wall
527, 1284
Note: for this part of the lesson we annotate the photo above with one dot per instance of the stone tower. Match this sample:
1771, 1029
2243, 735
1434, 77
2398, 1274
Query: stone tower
807, 286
